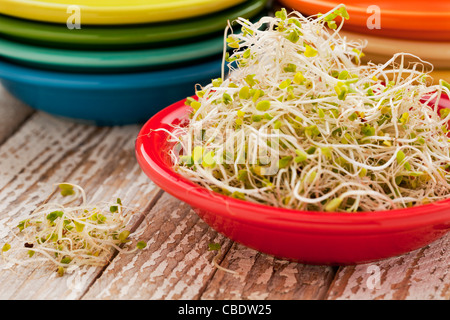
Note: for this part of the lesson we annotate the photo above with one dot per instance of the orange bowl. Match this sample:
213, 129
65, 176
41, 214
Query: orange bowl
407, 19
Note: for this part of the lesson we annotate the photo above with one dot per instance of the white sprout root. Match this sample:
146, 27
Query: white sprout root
346, 137
70, 236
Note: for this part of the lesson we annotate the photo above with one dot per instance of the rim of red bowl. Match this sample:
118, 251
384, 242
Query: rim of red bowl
150, 147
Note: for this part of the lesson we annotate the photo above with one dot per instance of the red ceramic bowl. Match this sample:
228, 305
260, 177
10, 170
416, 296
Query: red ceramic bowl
309, 237
407, 19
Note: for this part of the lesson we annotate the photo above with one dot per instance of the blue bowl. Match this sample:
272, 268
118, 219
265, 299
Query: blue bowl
105, 99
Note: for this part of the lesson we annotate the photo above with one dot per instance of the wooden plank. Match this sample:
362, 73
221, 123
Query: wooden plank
178, 265
39, 154
48, 151
12, 114
263, 277
175, 265
422, 274
31, 160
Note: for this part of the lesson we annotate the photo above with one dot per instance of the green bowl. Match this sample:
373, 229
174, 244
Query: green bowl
110, 61
129, 36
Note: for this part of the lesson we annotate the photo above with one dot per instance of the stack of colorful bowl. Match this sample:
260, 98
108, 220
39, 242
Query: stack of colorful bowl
112, 62
418, 27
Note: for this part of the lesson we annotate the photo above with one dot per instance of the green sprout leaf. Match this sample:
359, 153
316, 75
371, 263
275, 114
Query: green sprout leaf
284, 162
214, 246
367, 130
52, 216
333, 204
6, 247
244, 93
281, 14
299, 78
341, 90
400, 156
208, 160
66, 189
123, 236
78, 226
301, 156
250, 80
310, 51
263, 105
141, 245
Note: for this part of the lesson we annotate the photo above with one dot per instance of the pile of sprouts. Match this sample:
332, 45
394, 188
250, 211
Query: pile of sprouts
299, 122
71, 236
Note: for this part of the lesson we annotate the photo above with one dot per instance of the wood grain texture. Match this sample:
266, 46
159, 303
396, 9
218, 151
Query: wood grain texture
12, 114
176, 264
47, 151
263, 277
423, 274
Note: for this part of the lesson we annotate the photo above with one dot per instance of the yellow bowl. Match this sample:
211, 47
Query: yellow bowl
111, 12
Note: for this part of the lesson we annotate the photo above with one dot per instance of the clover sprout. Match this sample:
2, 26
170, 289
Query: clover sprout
344, 136
70, 236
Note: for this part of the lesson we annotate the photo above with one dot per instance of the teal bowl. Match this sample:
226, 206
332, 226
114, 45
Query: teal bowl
105, 99
88, 61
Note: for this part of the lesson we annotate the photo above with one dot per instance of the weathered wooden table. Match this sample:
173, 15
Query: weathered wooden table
38, 150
